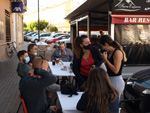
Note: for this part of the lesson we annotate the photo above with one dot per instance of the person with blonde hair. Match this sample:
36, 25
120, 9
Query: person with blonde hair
100, 96
114, 58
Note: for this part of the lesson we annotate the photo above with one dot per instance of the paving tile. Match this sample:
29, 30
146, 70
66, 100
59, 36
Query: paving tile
9, 80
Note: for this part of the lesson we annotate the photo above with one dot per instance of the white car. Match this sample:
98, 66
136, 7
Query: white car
56, 35
64, 39
28, 38
53, 40
42, 35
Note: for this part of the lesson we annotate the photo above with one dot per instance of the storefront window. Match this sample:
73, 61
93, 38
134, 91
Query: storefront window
7, 24
135, 40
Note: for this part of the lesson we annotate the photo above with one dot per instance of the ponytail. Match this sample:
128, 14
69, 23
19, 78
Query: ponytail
116, 45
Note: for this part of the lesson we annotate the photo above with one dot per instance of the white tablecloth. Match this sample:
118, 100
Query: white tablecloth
56, 69
68, 104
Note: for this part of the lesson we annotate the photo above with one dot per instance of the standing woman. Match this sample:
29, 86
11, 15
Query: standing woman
114, 59
85, 58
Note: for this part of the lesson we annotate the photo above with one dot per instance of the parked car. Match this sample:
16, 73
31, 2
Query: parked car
93, 34
134, 88
28, 34
65, 39
42, 35
32, 36
53, 40
54, 36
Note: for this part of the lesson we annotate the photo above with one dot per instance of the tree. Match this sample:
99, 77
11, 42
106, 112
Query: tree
25, 29
24, 25
33, 26
43, 24
53, 29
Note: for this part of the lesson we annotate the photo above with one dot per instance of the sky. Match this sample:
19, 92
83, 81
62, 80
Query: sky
32, 5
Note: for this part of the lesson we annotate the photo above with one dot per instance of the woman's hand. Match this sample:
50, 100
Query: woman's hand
93, 66
53, 108
104, 56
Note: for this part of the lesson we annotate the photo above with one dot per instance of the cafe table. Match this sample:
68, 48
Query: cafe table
56, 69
68, 104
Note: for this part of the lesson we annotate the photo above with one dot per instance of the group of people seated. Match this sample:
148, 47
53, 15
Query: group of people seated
102, 87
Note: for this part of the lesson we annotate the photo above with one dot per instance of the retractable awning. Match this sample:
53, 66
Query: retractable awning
98, 11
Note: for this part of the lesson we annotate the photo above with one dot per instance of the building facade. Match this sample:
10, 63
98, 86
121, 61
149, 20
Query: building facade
11, 26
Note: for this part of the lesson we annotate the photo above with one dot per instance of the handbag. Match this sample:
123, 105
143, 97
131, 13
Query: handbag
68, 88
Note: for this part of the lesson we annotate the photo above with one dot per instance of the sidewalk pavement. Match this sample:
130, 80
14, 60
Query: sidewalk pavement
9, 80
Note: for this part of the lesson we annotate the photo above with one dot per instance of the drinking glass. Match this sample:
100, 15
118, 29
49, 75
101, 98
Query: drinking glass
57, 61
53, 62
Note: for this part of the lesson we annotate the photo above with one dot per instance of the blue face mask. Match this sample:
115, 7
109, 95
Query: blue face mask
27, 59
35, 54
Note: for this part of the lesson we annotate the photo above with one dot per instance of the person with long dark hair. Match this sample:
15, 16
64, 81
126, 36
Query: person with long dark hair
85, 58
100, 96
114, 59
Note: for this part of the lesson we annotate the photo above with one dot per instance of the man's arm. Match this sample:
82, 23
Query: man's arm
54, 55
45, 80
26, 68
70, 54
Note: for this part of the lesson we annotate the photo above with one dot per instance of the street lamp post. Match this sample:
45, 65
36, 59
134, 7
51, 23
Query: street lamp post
38, 23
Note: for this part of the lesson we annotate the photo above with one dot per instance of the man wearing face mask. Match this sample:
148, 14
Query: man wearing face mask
32, 51
86, 58
33, 88
23, 67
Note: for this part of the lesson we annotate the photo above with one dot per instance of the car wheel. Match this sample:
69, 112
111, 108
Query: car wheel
35, 41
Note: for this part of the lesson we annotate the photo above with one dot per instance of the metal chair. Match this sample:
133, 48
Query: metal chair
42, 48
22, 103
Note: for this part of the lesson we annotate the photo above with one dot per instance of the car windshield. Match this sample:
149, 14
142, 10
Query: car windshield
30, 33
34, 34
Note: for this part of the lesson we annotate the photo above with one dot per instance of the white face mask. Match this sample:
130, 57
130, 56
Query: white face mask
35, 54
27, 59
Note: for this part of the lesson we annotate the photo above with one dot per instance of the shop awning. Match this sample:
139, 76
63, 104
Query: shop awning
98, 10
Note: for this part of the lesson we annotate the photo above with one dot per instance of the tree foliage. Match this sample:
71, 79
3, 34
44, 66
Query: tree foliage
24, 25
33, 26
43, 24
53, 29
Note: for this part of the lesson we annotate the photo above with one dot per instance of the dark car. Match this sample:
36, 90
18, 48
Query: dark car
134, 88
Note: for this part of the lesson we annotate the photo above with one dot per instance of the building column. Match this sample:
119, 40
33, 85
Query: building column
72, 33
15, 28
112, 32
77, 28
89, 25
